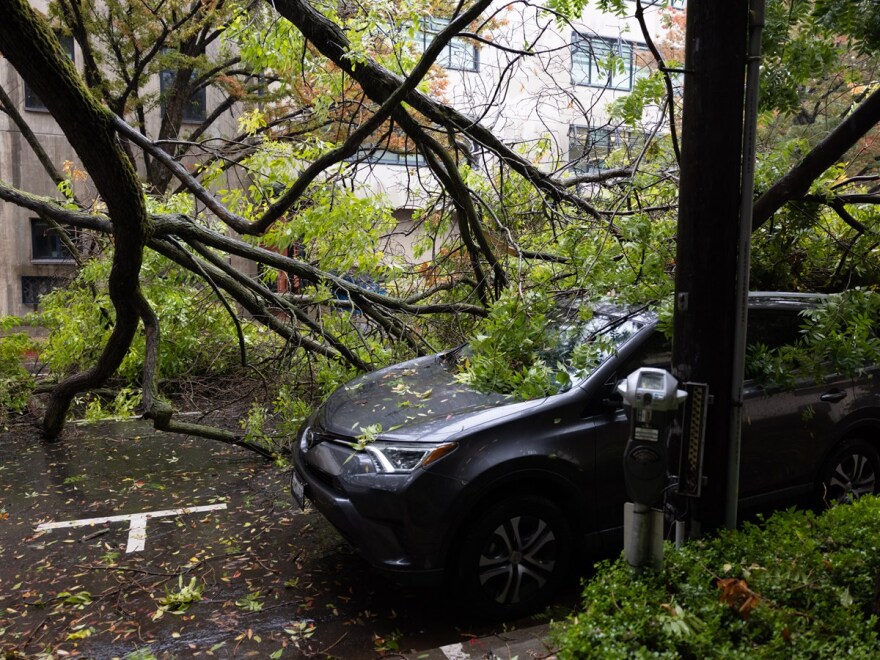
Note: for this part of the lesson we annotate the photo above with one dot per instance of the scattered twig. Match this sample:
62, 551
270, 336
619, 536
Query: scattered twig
271, 570
126, 569
274, 607
27, 640
95, 534
324, 651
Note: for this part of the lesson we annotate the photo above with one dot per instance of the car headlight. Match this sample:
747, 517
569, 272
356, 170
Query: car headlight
393, 457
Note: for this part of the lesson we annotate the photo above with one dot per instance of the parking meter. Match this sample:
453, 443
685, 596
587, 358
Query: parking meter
652, 398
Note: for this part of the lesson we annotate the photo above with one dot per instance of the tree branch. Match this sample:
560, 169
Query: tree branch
379, 83
796, 183
667, 79
846, 216
176, 225
600, 177
29, 136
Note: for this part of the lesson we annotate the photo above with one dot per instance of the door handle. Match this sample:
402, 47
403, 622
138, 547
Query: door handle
833, 396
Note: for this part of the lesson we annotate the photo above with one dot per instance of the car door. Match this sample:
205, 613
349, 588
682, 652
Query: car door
611, 429
787, 431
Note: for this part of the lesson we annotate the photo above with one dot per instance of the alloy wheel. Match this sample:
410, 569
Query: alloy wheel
518, 559
852, 477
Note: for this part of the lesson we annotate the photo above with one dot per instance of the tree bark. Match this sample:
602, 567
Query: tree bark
796, 183
29, 43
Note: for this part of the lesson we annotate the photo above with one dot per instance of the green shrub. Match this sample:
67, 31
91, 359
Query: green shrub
123, 405
796, 586
16, 383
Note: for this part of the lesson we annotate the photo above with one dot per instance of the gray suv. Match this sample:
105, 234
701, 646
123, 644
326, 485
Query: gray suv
457, 486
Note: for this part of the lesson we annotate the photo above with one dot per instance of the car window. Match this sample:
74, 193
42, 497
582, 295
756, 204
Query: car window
655, 352
773, 327
579, 345
605, 333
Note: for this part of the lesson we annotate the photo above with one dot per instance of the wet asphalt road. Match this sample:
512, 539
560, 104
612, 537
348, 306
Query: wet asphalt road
271, 581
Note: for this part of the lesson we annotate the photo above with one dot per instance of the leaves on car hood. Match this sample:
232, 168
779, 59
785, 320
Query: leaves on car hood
411, 398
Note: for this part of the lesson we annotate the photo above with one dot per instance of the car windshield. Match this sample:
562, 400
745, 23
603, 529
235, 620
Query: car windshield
578, 341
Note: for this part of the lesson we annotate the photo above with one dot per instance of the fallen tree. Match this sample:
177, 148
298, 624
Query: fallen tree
513, 222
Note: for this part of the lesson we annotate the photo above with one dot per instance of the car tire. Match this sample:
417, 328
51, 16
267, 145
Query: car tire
850, 472
514, 557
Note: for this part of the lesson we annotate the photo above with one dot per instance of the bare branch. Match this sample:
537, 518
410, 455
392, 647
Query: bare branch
9, 108
379, 83
51, 208
600, 177
667, 79
856, 180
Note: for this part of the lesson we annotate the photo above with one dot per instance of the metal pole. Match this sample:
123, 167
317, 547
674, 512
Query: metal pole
753, 66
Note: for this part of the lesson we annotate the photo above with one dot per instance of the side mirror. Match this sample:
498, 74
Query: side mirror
612, 399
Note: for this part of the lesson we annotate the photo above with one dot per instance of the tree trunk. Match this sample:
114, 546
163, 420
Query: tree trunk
30, 45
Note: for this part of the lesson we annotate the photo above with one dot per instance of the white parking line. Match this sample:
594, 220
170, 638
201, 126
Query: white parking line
137, 529
455, 652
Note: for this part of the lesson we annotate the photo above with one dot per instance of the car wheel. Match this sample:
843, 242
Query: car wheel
852, 471
514, 557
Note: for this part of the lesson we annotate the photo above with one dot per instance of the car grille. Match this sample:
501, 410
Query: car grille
313, 438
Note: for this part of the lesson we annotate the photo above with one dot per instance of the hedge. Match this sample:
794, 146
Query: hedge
798, 585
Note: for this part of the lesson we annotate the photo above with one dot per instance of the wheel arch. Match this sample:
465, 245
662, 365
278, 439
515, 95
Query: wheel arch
863, 425
842, 474
558, 485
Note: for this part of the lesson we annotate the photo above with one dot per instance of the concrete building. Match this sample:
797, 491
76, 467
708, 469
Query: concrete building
554, 104
33, 259
553, 107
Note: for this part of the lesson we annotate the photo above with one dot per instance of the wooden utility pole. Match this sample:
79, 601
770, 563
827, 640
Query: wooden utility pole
708, 217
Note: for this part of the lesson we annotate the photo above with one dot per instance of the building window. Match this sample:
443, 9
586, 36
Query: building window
459, 54
196, 110
590, 148
31, 100
46, 244
672, 4
35, 287
601, 62
388, 157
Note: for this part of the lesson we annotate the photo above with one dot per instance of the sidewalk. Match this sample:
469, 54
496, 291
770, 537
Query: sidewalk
523, 644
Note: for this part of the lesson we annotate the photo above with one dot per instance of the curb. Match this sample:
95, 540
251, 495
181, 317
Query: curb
512, 645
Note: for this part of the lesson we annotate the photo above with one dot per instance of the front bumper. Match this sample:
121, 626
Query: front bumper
393, 521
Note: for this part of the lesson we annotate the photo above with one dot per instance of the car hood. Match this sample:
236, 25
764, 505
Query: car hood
412, 401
